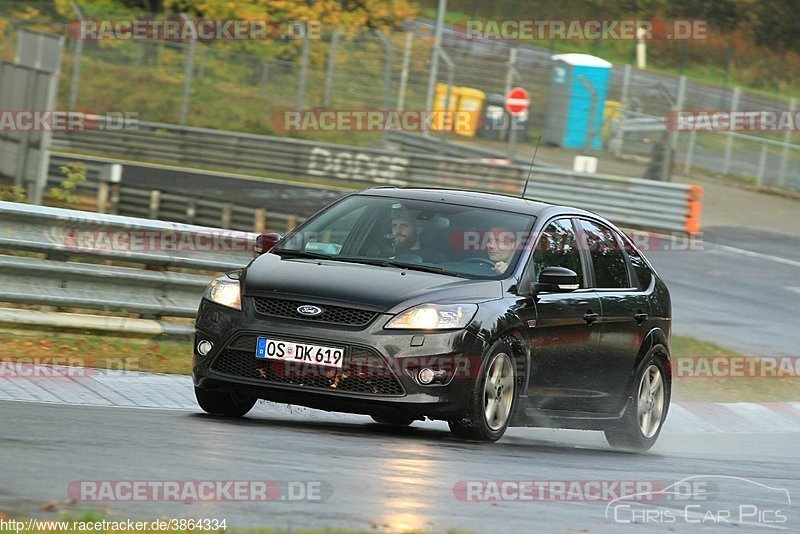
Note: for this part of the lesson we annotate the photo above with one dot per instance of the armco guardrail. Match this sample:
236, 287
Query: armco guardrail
627, 201
121, 199
83, 238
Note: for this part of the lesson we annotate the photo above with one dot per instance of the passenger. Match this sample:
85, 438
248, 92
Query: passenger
500, 247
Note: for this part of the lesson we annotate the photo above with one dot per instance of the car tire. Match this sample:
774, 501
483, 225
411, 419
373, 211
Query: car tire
493, 399
223, 403
392, 421
647, 406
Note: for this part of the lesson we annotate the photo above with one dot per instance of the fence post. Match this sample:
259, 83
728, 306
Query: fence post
787, 138
301, 83
674, 133
401, 92
511, 75
187, 79
264, 74
687, 163
76, 62
448, 97
387, 70
291, 223
619, 135
762, 166
331, 68
437, 45
726, 161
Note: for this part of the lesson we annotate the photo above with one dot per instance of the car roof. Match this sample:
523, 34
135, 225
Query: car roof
476, 199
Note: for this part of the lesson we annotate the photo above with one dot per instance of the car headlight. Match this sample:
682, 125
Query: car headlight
225, 291
434, 317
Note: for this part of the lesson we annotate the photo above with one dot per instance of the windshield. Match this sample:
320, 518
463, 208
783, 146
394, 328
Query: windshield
447, 238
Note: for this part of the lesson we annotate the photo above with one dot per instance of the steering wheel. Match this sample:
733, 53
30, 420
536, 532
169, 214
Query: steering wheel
483, 261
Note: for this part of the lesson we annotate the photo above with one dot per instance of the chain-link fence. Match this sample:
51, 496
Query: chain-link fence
222, 85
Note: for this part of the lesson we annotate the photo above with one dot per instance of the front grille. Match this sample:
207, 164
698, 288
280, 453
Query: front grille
363, 370
330, 314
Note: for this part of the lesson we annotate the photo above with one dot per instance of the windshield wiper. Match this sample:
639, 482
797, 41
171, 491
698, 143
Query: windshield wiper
402, 265
303, 254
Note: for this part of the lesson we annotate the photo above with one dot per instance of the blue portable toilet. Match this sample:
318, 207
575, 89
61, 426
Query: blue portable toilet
569, 103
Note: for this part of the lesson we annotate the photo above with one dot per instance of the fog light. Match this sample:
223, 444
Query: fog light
425, 376
204, 347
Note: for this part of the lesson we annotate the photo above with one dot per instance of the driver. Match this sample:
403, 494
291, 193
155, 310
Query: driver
500, 247
406, 234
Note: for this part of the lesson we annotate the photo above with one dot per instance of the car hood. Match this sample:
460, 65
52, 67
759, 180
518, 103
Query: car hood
383, 289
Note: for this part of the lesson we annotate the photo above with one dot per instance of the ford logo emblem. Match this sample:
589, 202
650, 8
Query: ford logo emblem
308, 309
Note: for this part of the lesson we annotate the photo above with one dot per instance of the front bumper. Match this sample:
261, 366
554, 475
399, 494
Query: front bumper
377, 378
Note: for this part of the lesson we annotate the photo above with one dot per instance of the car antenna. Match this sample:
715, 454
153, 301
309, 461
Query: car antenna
535, 150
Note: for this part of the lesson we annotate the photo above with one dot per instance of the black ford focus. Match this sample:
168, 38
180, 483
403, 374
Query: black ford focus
481, 310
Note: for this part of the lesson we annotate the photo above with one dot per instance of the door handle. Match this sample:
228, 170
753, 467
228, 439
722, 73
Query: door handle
590, 317
640, 317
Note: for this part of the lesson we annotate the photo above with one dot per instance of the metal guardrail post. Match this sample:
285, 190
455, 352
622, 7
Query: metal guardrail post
260, 221
226, 215
331, 69
726, 161
109, 176
155, 204
787, 139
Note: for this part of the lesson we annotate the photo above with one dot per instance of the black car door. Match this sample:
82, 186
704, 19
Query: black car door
564, 337
625, 308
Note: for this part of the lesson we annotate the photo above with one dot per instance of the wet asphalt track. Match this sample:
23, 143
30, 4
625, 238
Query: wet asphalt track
741, 290
395, 480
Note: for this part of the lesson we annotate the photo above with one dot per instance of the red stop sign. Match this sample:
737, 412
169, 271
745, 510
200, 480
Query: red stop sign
517, 101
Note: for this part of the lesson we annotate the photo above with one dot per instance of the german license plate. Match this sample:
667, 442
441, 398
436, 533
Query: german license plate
277, 349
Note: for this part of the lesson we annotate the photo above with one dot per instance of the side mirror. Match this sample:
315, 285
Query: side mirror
556, 280
266, 242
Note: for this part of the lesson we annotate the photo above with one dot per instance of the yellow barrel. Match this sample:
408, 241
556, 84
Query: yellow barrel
443, 113
468, 116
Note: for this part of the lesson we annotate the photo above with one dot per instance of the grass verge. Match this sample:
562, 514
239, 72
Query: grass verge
175, 357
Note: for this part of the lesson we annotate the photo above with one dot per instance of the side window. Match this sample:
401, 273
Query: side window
610, 268
558, 247
640, 268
